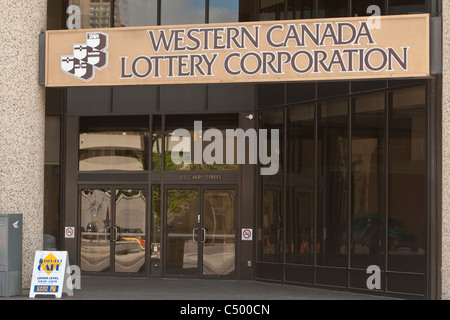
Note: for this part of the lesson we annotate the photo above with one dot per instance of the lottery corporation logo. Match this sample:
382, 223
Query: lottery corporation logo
87, 57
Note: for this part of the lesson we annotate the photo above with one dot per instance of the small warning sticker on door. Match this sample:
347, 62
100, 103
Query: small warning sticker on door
247, 234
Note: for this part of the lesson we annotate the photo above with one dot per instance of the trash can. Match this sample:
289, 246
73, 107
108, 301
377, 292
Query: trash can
11, 254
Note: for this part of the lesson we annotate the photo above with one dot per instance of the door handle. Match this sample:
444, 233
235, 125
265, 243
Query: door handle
279, 232
203, 235
106, 234
115, 234
194, 231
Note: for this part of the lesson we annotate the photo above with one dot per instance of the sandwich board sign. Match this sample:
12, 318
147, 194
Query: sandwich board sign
51, 272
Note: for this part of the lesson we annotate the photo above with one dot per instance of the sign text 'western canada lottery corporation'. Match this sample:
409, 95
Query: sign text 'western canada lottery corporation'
292, 50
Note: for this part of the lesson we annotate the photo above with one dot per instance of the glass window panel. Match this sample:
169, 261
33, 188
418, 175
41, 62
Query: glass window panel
112, 151
111, 144
368, 176
95, 221
359, 7
272, 245
182, 12
407, 181
301, 140
273, 123
201, 143
94, 14
181, 246
300, 179
129, 227
223, 11
300, 9
219, 232
248, 10
131, 13
271, 10
407, 6
331, 9
333, 183
272, 227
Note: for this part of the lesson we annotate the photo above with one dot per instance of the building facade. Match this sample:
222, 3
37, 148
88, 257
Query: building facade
360, 167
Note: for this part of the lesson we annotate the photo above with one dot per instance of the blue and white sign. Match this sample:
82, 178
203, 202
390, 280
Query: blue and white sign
51, 272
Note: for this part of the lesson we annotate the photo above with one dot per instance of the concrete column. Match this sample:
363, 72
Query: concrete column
22, 121
445, 269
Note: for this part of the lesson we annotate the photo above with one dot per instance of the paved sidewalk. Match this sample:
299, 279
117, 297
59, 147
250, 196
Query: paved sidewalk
116, 288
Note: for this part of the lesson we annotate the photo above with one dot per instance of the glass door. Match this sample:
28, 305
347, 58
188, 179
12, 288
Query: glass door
113, 230
95, 208
182, 231
218, 232
129, 239
200, 231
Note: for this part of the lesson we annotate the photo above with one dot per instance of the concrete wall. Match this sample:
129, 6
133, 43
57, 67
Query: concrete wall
446, 152
22, 121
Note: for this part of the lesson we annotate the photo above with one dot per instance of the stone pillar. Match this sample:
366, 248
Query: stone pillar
445, 263
22, 121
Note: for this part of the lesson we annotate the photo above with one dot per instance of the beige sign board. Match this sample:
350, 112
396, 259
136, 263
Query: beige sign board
294, 50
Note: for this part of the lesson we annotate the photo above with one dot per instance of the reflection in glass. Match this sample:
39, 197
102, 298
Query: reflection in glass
182, 218
367, 210
271, 10
272, 231
365, 197
132, 13
300, 9
407, 6
300, 180
209, 229
112, 151
359, 7
113, 143
95, 230
247, 10
272, 212
175, 12
129, 240
333, 179
331, 9
202, 146
301, 137
219, 232
223, 11
94, 14
407, 181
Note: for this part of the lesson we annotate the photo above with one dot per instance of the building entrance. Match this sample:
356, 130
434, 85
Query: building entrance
200, 231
